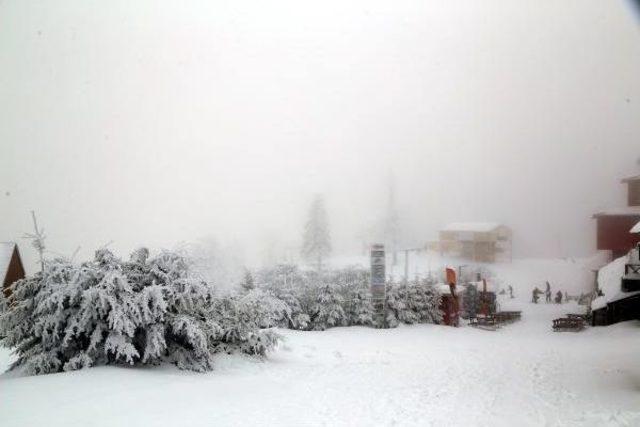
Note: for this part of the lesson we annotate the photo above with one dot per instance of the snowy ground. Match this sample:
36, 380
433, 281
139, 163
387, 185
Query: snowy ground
523, 374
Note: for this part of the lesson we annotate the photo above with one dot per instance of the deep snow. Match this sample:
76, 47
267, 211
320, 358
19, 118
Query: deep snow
523, 374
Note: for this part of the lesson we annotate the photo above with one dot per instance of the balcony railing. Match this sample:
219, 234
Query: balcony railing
631, 279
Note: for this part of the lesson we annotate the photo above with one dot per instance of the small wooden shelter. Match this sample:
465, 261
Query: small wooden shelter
11, 268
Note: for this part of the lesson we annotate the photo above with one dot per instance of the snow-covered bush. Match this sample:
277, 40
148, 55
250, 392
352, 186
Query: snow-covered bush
416, 302
328, 312
424, 301
360, 308
142, 311
398, 306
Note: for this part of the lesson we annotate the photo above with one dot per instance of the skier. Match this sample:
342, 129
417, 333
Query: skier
536, 295
510, 291
548, 292
559, 297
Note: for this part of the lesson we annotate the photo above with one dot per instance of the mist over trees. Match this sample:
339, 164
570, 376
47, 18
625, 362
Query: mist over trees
316, 241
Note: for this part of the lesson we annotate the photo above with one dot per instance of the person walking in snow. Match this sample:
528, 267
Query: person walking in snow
535, 295
510, 291
548, 292
559, 297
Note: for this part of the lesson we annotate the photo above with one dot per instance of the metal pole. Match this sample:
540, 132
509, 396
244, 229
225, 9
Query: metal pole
406, 265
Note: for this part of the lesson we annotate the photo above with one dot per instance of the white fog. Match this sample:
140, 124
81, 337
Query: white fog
331, 213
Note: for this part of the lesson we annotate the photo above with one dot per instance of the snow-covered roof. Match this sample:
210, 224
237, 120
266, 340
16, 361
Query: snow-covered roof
636, 228
602, 301
479, 227
6, 251
632, 178
622, 211
610, 283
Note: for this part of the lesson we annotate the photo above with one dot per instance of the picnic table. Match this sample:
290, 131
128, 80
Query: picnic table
568, 324
507, 316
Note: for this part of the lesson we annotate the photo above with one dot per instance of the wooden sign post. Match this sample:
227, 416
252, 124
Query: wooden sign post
378, 283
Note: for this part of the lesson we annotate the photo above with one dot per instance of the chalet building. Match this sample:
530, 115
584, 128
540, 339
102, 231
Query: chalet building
613, 225
11, 268
479, 242
619, 291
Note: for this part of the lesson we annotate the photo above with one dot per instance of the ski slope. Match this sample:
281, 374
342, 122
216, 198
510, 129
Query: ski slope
523, 374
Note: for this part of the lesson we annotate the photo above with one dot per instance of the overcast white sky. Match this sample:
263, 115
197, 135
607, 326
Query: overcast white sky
157, 122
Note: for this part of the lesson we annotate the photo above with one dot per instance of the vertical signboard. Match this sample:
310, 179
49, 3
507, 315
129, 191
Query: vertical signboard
378, 274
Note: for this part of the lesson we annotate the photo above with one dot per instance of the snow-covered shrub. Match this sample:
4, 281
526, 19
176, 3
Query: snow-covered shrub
295, 316
360, 308
416, 302
328, 312
424, 301
398, 309
142, 311
241, 321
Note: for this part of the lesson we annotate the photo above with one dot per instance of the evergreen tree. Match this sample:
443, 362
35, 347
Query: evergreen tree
247, 281
143, 311
360, 309
316, 245
328, 311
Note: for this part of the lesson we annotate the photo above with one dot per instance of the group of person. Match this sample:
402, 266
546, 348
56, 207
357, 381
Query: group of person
558, 298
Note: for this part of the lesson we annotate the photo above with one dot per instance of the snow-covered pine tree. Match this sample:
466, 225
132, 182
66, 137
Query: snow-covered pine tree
247, 283
327, 310
393, 305
295, 317
107, 311
316, 243
360, 309
240, 327
430, 311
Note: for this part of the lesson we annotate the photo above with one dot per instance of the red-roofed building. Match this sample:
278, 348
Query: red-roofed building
614, 224
11, 268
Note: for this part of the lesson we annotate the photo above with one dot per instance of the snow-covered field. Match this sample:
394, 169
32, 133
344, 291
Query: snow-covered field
523, 374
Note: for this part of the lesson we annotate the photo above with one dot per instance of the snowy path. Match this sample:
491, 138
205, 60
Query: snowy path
523, 374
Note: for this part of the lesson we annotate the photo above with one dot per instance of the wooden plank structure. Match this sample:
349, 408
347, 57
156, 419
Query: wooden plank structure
569, 324
493, 321
508, 316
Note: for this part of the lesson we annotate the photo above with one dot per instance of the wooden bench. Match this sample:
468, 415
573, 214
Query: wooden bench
487, 322
507, 316
568, 324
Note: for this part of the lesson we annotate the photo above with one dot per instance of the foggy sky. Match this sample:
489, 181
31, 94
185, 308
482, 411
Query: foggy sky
159, 122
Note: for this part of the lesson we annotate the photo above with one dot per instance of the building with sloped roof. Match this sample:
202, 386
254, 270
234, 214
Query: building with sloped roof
613, 224
476, 241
